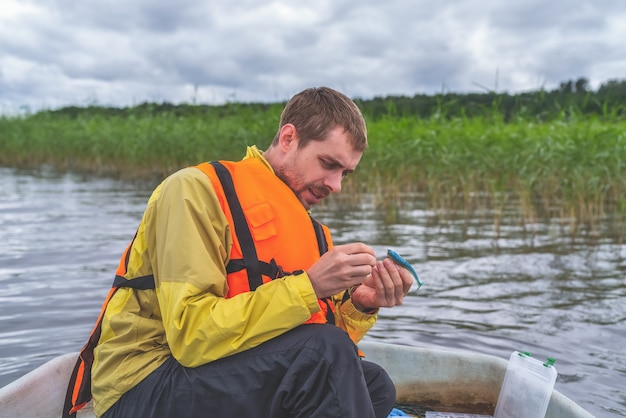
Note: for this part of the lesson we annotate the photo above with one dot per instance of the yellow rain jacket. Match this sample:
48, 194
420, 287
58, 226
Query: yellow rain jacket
185, 241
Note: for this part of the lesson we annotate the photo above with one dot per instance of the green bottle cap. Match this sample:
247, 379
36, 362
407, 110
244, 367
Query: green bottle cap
549, 362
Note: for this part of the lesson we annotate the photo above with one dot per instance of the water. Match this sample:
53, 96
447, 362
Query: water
527, 289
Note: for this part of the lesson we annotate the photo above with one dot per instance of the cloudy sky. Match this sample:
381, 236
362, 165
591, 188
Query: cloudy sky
55, 53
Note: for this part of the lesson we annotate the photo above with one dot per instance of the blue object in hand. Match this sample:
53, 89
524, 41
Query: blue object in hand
397, 258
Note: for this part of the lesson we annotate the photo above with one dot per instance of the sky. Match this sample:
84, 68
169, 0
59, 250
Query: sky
57, 53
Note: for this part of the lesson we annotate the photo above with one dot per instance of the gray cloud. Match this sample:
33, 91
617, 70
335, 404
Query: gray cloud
66, 52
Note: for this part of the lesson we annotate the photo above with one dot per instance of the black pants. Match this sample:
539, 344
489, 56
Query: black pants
311, 371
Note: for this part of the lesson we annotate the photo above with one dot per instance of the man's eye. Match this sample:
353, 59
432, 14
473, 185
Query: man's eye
328, 164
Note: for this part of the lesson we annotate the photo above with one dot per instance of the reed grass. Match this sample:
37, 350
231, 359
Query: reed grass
142, 146
571, 168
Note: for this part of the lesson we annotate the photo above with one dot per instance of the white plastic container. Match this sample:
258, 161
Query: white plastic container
527, 387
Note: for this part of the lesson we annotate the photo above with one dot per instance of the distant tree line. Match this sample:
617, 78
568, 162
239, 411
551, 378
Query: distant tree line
571, 99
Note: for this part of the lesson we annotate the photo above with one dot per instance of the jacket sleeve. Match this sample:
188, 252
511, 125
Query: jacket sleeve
351, 320
190, 241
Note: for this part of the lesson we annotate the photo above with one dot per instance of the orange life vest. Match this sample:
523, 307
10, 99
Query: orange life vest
274, 237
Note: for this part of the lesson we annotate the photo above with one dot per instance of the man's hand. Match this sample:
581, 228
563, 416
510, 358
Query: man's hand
386, 287
340, 268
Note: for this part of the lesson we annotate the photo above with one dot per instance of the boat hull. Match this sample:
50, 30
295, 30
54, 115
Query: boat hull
440, 380
41, 393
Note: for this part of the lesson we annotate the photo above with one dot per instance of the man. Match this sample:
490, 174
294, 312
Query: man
232, 300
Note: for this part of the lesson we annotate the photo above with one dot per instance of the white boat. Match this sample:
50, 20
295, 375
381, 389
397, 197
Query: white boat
439, 380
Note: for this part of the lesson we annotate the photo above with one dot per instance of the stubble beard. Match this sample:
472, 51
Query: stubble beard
289, 176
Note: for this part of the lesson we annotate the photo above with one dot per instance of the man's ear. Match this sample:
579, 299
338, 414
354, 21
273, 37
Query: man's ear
288, 137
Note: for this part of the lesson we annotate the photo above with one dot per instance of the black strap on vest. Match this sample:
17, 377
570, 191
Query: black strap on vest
250, 258
322, 244
323, 248
139, 283
271, 269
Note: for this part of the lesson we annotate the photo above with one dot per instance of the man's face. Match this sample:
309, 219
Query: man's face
315, 171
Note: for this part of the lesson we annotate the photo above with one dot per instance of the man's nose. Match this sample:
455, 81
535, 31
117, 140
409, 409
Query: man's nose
333, 182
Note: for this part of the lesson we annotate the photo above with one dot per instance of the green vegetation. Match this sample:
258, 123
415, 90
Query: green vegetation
560, 153
144, 142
